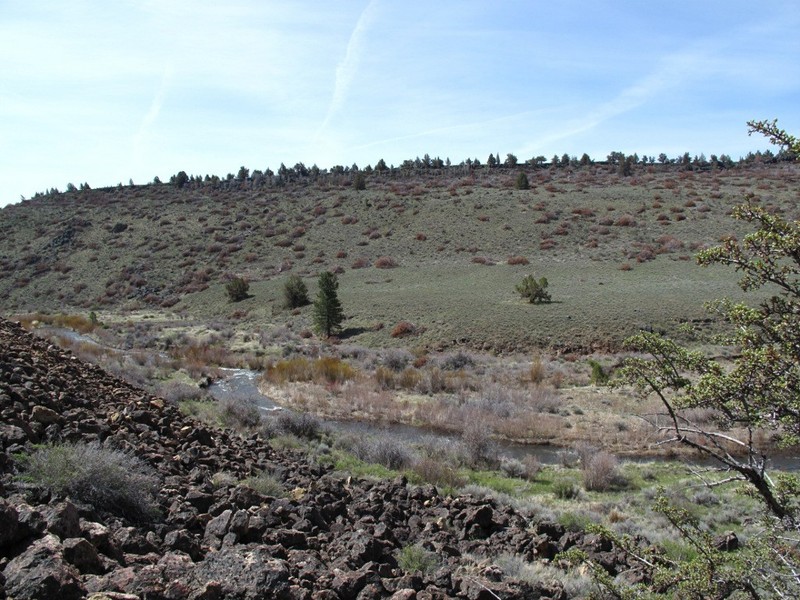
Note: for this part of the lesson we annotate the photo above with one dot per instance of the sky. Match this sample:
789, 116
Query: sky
105, 92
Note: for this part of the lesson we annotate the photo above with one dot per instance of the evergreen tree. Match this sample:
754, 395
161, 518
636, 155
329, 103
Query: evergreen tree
295, 292
328, 315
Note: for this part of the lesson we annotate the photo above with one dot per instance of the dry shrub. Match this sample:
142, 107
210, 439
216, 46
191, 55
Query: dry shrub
518, 260
547, 244
625, 267
527, 468
360, 263
421, 237
77, 323
437, 472
333, 370
302, 425
107, 479
403, 328
482, 260
408, 379
583, 212
481, 449
326, 369
600, 471
384, 377
537, 370
386, 262
625, 221
239, 414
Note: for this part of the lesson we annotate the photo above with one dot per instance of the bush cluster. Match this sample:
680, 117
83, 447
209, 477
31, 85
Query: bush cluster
237, 289
102, 477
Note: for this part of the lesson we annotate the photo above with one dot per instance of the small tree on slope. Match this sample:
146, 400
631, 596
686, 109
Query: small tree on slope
328, 315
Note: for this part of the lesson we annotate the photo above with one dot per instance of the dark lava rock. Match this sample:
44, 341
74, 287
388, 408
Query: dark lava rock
40, 573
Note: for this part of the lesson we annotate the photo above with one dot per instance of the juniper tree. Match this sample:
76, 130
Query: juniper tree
328, 314
759, 391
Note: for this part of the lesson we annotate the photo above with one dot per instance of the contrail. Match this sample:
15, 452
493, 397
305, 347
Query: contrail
347, 68
152, 113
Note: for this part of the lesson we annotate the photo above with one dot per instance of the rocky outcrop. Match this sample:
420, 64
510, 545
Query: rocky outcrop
332, 538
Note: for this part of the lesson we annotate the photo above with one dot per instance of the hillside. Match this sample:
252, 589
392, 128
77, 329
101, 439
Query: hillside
441, 249
212, 531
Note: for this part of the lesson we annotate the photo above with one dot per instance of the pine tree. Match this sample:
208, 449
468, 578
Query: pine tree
328, 315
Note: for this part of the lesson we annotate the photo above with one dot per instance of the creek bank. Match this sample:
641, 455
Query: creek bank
329, 538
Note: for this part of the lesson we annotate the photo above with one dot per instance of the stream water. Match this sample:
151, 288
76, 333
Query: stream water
242, 384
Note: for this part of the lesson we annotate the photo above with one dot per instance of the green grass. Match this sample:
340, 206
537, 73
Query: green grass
347, 463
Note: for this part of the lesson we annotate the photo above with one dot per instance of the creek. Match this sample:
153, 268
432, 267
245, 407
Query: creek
242, 385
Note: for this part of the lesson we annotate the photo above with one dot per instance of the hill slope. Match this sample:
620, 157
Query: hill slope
616, 250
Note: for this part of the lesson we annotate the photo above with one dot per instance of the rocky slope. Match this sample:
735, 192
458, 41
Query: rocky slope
333, 538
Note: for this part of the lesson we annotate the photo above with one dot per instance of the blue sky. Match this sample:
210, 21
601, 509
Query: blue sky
104, 92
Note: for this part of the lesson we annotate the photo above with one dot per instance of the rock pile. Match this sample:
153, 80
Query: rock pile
331, 538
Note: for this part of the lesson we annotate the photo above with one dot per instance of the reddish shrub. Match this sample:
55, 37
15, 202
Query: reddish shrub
583, 212
421, 237
547, 244
518, 260
403, 328
625, 221
360, 263
386, 262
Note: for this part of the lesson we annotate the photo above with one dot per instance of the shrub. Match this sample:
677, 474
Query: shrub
625, 221
237, 289
534, 290
537, 370
457, 361
265, 484
388, 452
239, 414
327, 369
403, 328
302, 425
416, 559
601, 472
397, 360
386, 262
102, 477
480, 447
566, 488
513, 467
384, 377
295, 292
598, 376
437, 472
518, 260
521, 182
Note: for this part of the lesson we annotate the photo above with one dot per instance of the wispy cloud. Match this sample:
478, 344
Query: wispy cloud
150, 118
348, 67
